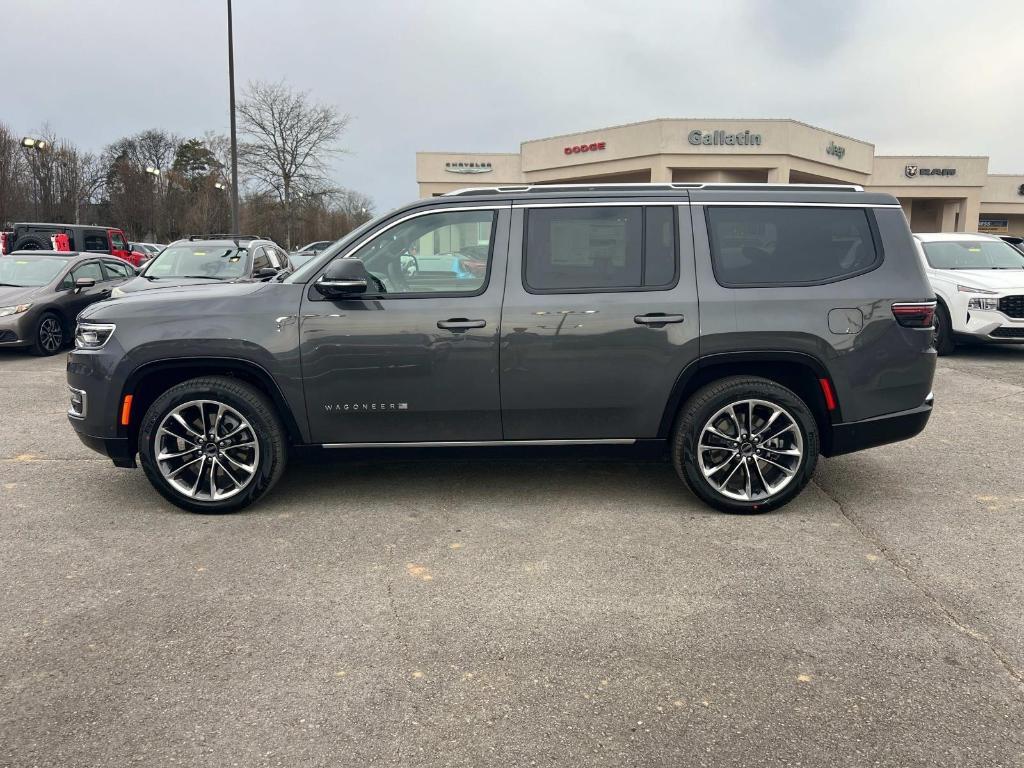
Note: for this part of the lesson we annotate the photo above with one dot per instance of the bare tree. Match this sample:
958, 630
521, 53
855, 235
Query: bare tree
289, 142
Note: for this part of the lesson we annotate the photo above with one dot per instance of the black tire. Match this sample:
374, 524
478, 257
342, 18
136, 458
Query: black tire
262, 419
943, 336
50, 336
696, 413
32, 244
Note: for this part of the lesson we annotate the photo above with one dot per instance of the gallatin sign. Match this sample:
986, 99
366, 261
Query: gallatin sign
720, 138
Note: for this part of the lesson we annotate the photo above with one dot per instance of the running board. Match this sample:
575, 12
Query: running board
481, 443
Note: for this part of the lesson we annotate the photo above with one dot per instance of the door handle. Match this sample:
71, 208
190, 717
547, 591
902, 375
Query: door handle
460, 324
657, 318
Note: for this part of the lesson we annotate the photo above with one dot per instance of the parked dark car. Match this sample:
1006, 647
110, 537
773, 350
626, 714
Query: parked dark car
204, 261
747, 328
42, 292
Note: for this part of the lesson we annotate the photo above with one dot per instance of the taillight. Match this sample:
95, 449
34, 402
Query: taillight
5, 242
915, 314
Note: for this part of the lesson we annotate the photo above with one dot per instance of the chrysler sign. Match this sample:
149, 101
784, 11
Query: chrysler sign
466, 166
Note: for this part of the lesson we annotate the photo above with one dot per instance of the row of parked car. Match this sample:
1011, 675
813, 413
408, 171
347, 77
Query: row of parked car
43, 288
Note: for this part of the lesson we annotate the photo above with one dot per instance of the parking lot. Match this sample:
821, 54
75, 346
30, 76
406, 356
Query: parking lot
518, 611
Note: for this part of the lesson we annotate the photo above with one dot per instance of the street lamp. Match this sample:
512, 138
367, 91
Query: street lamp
234, 138
218, 185
152, 171
39, 145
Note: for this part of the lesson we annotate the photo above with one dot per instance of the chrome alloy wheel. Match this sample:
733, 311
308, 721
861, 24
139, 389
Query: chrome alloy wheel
51, 335
207, 450
750, 450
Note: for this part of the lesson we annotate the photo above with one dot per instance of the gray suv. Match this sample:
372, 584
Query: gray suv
749, 328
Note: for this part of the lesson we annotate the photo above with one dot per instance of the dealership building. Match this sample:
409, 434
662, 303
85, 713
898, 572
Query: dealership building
939, 193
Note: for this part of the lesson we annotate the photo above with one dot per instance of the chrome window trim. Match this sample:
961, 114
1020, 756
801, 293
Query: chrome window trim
780, 203
629, 203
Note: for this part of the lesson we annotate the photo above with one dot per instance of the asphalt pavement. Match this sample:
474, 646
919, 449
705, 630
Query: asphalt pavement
562, 610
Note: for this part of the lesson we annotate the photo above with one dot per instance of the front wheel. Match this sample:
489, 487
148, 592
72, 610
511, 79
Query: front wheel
49, 335
745, 444
212, 445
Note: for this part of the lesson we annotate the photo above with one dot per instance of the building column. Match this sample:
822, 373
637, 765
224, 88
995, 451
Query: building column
779, 175
660, 173
949, 222
970, 212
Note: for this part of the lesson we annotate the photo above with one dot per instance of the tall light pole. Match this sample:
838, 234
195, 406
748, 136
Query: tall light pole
39, 146
234, 136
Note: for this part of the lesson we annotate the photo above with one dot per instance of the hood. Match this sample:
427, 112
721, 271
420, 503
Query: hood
208, 298
10, 295
993, 279
146, 284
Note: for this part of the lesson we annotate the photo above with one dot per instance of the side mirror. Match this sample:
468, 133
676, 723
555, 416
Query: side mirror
84, 282
344, 277
265, 273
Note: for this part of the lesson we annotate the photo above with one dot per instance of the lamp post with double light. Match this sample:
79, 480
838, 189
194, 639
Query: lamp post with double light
35, 148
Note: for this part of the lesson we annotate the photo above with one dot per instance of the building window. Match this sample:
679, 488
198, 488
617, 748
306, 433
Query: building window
771, 246
600, 248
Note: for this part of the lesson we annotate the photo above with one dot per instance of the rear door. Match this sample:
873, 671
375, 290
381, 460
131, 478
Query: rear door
600, 317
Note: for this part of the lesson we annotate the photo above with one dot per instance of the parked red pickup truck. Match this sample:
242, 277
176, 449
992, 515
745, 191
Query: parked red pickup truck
69, 237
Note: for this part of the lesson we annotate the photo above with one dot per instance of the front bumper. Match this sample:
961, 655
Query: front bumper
880, 430
990, 326
118, 449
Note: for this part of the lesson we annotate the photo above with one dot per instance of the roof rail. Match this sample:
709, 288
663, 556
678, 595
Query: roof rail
639, 187
224, 236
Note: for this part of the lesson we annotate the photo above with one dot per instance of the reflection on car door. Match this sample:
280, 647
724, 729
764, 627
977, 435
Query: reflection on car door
420, 362
599, 319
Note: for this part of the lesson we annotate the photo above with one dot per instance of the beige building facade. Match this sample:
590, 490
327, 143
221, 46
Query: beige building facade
938, 193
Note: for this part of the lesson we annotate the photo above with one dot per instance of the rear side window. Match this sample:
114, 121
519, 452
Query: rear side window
600, 248
773, 245
96, 242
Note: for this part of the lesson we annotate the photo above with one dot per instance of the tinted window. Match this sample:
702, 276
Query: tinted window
116, 270
90, 269
789, 246
600, 248
96, 242
260, 260
446, 252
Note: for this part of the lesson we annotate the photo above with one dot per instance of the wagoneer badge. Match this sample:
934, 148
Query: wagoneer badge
330, 407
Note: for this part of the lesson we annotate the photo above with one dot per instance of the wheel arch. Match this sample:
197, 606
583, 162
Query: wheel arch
797, 371
147, 382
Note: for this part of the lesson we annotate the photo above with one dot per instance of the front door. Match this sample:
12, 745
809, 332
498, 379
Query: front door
416, 358
600, 318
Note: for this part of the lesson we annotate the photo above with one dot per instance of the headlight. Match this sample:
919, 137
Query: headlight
980, 303
116, 293
969, 289
93, 335
15, 310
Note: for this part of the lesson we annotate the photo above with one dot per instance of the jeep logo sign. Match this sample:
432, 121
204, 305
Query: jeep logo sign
912, 171
835, 150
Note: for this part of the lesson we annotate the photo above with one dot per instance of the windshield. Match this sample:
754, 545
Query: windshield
216, 262
26, 273
973, 254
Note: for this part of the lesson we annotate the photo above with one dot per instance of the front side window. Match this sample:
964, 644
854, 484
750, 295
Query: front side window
260, 260
440, 253
213, 262
973, 254
117, 242
600, 248
116, 270
771, 246
90, 269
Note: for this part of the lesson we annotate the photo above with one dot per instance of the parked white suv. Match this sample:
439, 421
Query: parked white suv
979, 282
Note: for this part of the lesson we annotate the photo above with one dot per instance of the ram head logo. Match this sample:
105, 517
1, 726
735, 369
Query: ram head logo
910, 171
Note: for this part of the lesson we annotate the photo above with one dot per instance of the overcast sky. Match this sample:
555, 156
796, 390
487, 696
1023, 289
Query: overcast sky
925, 77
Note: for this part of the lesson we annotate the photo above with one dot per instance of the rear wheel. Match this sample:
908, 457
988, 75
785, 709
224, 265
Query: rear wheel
212, 445
745, 444
942, 336
49, 338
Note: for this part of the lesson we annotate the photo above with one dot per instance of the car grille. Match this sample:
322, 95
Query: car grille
8, 336
1007, 333
1012, 306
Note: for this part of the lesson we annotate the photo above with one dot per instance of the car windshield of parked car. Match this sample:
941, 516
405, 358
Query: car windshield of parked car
28, 273
214, 262
973, 254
